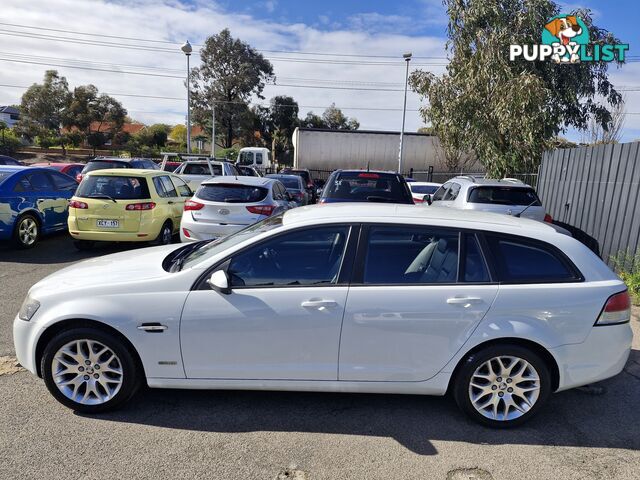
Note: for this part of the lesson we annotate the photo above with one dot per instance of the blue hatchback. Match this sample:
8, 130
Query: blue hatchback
34, 201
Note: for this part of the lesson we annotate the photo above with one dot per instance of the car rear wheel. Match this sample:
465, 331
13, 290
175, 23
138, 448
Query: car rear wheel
89, 370
165, 236
27, 231
502, 386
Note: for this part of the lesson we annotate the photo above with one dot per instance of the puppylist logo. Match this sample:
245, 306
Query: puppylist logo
565, 39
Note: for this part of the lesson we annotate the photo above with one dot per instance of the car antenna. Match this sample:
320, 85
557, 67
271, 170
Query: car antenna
525, 209
367, 165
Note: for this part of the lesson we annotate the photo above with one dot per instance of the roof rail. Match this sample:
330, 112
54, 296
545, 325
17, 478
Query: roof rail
469, 177
512, 180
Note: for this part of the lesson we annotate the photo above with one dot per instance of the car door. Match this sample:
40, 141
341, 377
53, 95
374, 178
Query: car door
65, 187
280, 197
450, 195
281, 318
412, 304
44, 197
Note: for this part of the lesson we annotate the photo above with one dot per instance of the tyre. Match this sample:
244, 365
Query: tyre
84, 245
89, 370
27, 231
165, 236
502, 386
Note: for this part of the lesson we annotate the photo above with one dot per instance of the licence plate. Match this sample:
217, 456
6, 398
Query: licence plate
108, 223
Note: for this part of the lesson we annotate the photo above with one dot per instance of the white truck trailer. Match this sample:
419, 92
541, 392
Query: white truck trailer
321, 149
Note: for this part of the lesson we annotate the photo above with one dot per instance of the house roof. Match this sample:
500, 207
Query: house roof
129, 128
9, 109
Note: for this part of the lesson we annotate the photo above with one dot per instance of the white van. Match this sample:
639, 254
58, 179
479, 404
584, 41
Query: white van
256, 157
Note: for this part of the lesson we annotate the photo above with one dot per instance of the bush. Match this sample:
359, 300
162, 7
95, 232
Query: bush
627, 266
9, 142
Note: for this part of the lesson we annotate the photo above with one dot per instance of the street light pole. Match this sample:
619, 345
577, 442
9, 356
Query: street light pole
186, 48
407, 58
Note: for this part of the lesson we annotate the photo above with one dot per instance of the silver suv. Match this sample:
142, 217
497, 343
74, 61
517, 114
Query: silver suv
508, 196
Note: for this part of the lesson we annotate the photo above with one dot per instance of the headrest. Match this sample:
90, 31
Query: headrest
442, 245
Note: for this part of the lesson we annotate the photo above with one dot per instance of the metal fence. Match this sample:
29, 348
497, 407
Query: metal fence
594, 192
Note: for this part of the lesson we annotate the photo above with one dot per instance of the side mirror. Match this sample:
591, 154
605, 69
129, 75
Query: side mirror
219, 281
427, 199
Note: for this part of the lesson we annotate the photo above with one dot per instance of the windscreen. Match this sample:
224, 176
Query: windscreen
117, 188
499, 195
372, 187
232, 193
103, 165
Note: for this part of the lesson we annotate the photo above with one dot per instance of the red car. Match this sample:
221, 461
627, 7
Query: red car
71, 169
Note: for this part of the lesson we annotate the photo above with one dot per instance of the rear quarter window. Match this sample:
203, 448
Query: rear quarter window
519, 260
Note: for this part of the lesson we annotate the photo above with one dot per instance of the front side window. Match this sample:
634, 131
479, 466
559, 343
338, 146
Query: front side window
259, 158
439, 195
524, 261
452, 193
302, 258
182, 187
411, 255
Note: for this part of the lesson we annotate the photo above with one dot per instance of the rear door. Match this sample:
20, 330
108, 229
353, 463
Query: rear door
46, 199
412, 304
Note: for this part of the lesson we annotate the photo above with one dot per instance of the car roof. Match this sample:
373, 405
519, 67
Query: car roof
118, 159
424, 184
282, 175
56, 164
240, 180
489, 182
387, 172
129, 172
415, 215
204, 162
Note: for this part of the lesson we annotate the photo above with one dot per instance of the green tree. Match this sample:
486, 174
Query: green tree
99, 116
313, 121
507, 112
334, 118
42, 108
230, 74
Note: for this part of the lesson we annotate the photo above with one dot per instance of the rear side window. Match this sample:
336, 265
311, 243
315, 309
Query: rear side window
369, 187
504, 196
22, 185
40, 182
524, 261
103, 165
118, 188
419, 255
232, 193
63, 182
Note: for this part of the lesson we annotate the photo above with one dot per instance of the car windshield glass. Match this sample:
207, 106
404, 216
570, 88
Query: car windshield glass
504, 196
103, 165
246, 158
365, 186
117, 188
232, 193
201, 169
424, 189
211, 249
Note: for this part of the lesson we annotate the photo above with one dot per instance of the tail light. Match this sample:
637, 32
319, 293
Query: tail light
141, 206
548, 218
262, 209
79, 177
191, 205
78, 204
368, 175
616, 310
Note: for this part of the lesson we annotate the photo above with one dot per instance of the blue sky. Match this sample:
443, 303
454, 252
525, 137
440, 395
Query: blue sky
373, 27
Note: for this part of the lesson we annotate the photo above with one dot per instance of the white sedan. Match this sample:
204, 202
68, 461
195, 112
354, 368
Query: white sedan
500, 311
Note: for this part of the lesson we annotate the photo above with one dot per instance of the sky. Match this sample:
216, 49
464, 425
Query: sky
323, 52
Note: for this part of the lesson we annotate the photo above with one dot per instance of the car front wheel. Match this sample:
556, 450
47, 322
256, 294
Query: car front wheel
89, 370
502, 386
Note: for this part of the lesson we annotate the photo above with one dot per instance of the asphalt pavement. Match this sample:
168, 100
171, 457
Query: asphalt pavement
279, 435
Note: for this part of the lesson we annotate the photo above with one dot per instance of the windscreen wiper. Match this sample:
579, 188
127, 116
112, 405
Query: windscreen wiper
103, 196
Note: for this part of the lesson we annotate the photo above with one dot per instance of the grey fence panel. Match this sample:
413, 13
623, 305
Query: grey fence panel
595, 191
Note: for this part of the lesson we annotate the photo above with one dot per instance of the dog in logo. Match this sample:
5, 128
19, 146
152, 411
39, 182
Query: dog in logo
565, 29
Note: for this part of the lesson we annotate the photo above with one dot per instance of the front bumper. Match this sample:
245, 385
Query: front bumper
602, 355
25, 335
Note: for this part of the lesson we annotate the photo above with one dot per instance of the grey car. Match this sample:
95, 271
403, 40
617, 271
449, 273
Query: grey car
295, 186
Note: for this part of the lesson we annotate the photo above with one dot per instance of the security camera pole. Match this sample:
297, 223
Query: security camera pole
407, 58
186, 48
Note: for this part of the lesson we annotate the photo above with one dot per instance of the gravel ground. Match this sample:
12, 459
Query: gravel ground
301, 436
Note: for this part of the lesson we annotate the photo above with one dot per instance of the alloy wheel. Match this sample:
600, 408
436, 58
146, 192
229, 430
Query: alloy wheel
28, 231
87, 372
504, 388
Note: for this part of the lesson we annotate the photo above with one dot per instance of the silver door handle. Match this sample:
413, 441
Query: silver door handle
148, 327
463, 300
318, 303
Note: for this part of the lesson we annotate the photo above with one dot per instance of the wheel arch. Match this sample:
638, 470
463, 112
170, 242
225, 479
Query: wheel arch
63, 325
29, 211
540, 350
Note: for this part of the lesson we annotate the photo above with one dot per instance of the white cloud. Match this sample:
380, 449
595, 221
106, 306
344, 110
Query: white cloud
174, 21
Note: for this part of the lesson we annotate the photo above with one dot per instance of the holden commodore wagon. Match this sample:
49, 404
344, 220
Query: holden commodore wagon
499, 311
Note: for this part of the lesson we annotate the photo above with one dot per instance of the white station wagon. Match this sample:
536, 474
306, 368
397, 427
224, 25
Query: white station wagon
500, 311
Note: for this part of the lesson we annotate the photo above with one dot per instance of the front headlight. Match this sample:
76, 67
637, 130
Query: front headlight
28, 309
